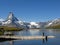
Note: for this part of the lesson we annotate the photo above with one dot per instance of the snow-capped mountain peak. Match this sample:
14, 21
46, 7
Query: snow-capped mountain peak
33, 23
12, 17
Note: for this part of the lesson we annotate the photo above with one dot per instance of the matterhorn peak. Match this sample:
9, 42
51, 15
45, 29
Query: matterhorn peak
12, 17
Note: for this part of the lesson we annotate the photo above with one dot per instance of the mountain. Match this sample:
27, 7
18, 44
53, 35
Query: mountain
12, 21
54, 23
42, 24
0, 23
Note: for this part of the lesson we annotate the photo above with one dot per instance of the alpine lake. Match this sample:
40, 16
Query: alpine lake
35, 32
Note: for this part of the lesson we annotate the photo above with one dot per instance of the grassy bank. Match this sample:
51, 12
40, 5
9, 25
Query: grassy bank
5, 28
1, 33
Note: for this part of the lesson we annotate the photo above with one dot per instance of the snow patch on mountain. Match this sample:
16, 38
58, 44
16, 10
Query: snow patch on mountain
54, 22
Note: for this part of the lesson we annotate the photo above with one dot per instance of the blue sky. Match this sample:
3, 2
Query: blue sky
31, 10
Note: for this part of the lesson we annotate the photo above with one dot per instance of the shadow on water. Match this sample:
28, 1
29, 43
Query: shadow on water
46, 38
6, 39
44, 41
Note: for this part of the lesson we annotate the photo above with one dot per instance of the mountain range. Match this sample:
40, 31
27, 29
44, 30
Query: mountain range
12, 21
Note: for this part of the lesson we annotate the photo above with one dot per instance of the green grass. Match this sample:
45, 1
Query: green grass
1, 33
5, 28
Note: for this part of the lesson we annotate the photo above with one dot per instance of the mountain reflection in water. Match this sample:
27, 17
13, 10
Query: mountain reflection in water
52, 41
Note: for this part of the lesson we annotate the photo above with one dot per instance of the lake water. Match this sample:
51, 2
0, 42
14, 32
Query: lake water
36, 32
